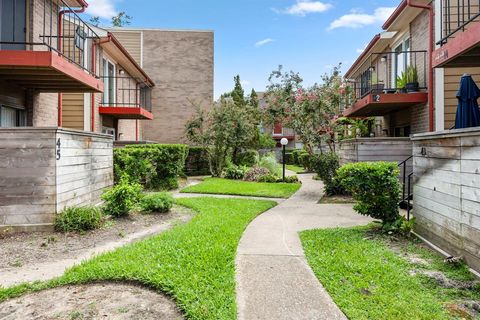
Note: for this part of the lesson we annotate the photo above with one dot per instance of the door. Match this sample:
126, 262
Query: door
13, 24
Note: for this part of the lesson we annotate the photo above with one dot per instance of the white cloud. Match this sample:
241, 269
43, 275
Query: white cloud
245, 83
304, 7
104, 9
263, 42
357, 20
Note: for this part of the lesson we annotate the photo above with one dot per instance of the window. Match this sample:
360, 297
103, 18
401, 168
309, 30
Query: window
401, 61
12, 117
109, 96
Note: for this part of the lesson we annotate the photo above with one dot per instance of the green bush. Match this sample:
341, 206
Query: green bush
196, 163
78, 219
122, 198
325, 166
296, 156
305, 160
375, 187
248, 158
157, 202
235, 172
269, 161
289, 158
271, 178
290, 179
154, 166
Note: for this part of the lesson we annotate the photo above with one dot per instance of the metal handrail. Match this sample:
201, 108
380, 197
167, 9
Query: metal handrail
129, 94
404, 182
465, 15
410, 195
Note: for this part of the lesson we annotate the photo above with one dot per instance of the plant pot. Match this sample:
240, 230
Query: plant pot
412, 87
402, 90
377, 88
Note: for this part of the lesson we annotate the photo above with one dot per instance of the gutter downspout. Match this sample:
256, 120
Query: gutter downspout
59, 48
431, 107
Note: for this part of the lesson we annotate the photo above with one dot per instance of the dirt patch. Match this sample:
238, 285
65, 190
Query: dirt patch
338, 199
23, 249
96, 301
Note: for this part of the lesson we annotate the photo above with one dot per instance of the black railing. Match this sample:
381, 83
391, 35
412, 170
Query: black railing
125, 91
389, 72
455, 16
62, 31
406, 186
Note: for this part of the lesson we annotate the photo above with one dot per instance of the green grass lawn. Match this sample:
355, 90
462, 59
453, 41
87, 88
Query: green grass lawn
244, 188
194, 262
295, 168
368, 280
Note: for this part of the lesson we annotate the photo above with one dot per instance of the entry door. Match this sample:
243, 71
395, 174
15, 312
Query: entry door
13, 24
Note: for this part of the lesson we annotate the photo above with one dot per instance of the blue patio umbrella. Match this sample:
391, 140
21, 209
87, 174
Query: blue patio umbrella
468, 113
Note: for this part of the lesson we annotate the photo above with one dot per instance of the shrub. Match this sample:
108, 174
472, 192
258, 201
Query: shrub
296, 156
255, 173
122, 198
269, 161
375, 187
248, 158
78, 219
326, 166
150, 165
235, 172
289, 158
290, 179
271, 178
305, 160
157, 202
196, 163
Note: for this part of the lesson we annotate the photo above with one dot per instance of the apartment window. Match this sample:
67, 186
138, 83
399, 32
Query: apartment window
402, 59
109, 96
12, 117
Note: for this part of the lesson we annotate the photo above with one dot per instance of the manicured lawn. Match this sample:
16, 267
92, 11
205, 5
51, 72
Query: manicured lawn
194, 263
368, 280
244, 188
295, 168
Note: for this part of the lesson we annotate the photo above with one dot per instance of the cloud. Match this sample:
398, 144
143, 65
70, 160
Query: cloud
263, 42
245, 83
104, 9
304, 7
355, 20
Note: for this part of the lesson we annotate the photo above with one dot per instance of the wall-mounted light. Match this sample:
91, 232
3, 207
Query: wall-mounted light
384, 59
371, 69
121, 72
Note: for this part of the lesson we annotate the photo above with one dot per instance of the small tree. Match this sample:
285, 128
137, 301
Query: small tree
122, 19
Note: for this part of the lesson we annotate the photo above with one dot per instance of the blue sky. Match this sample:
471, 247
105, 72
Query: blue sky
252, 37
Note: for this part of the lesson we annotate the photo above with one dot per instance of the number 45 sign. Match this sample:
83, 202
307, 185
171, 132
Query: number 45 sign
59, 144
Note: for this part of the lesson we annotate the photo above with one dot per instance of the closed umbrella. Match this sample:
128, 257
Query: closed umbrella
468, 113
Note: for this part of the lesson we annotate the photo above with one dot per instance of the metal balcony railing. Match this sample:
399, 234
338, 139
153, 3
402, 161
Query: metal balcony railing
455, 16
60, 30
383, 73
125, 91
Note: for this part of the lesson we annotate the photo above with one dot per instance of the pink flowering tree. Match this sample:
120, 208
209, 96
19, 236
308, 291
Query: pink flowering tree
312, 112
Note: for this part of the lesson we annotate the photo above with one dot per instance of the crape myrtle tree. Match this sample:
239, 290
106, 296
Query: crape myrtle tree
312, 111
230, 126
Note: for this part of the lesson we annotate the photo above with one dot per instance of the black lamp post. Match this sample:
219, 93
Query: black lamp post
284, 143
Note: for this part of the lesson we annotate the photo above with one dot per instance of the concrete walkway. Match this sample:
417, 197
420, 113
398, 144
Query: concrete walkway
274, 280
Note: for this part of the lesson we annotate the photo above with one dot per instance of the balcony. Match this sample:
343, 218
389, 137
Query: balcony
387, 82
126, 98
459, 35
55, 54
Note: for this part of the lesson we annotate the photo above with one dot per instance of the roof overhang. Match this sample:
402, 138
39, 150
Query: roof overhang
45, 71
115, 49
76, 3
402, 16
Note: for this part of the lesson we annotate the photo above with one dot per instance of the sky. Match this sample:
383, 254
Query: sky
254, 37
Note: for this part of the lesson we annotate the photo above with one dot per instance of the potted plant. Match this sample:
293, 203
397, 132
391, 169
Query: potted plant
402, 83
412, 80
376, 86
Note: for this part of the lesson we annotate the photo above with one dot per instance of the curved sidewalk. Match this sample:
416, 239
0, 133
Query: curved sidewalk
273, 278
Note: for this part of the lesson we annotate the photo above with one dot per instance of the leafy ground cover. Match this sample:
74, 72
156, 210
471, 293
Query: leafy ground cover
373, 276
193, 262
295, 168
243, 188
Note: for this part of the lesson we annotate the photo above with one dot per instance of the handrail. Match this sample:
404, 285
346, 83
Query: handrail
404, 173
410, 195
464, 16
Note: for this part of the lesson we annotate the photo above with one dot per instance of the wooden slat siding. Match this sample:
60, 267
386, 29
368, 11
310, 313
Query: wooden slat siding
376, 149
73, 110
452, 83
84, 170
27, 176
447, 191
131, 40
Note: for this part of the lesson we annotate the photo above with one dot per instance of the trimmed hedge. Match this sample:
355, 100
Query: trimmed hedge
155, 166
326, 166
196, 163
375, 187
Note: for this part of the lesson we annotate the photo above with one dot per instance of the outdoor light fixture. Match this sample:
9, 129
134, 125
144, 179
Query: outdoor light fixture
284, 143
384, 58
121, 72
371, 69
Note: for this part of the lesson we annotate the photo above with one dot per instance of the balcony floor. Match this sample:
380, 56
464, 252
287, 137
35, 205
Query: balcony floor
461, 51
381, 104
120, 112
45, 71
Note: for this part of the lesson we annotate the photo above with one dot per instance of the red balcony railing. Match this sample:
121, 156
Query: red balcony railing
125, 91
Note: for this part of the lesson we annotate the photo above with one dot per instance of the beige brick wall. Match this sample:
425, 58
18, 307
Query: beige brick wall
181, 65
39, 17
45, 110
127, 129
